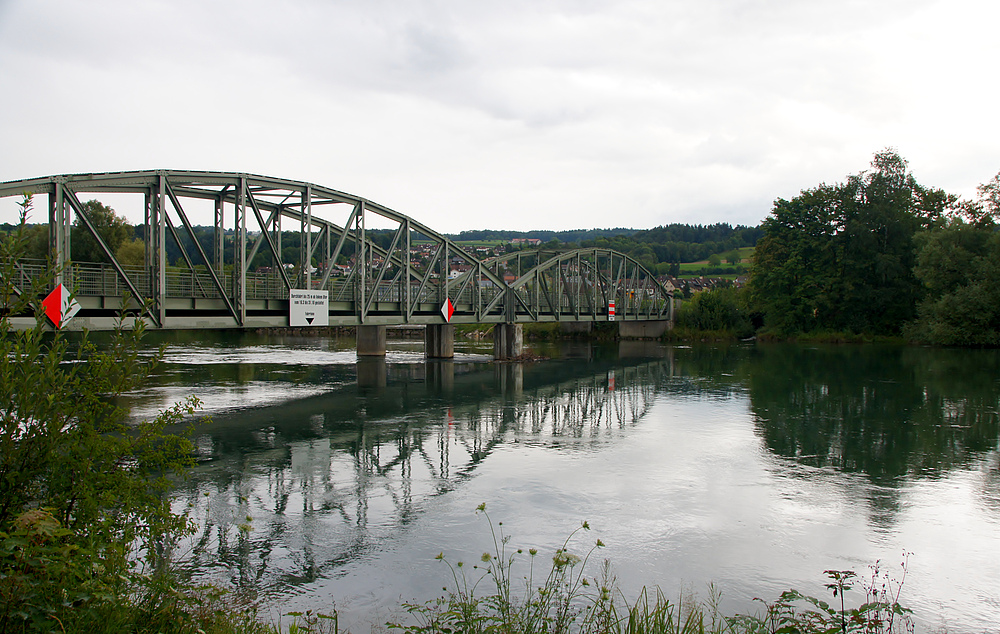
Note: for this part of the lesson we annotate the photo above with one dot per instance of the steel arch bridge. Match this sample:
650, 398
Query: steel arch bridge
378, 266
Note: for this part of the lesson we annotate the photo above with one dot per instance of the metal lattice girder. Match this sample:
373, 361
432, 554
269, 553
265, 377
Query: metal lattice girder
558, 285
406, 281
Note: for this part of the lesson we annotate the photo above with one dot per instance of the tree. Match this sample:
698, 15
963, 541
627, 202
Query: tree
793, 274
959, 264
881, 212
113, 229
841, 257
131, 253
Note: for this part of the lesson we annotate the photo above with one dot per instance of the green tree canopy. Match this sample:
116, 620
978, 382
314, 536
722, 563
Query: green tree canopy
113, 229
959, 265
131, 253
841, 257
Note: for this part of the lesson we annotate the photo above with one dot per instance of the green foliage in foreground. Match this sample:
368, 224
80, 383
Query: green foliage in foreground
83, 505
566, 600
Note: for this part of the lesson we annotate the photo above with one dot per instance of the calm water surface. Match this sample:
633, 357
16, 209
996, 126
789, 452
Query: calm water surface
326, 483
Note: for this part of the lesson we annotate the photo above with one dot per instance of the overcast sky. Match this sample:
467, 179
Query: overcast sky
538, 114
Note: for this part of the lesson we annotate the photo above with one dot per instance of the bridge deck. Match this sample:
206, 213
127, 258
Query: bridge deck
407, 274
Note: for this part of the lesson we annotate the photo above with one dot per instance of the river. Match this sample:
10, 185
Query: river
326, 484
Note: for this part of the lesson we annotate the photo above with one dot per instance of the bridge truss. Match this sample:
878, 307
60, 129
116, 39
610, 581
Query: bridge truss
379, 267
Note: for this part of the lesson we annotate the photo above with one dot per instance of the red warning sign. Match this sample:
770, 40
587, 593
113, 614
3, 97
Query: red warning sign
611, 310
447, 310
60, 306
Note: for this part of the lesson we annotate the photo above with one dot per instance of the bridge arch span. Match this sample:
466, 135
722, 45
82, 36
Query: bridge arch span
378, 266
589, 284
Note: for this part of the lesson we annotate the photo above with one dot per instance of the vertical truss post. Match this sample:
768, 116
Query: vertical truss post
240, 253
158, 216
510, 304
59, 232
276, 239
407, 306
147, 236
560, 288
536, 285
477, 291
578, 283
359, 263
329, 251
306, 238
218, 238
445, 270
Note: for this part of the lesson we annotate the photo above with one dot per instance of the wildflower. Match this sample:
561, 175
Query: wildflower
563, 558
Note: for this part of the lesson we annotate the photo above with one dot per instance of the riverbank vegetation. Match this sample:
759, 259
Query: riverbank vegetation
881, 255
878, 257
84, 514
500, 593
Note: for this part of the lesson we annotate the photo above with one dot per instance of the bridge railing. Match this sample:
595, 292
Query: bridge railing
102, 280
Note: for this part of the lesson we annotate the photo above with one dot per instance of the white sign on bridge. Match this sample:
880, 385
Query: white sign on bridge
308, 308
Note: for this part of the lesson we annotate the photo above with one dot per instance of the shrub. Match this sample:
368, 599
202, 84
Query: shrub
82, 490
718, 310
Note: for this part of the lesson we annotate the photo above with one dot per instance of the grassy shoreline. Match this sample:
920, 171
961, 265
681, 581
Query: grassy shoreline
522, 591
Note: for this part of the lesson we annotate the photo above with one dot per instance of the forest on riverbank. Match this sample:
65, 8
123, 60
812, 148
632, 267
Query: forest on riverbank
877, 255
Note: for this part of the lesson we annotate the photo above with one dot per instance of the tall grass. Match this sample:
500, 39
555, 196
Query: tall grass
486, 598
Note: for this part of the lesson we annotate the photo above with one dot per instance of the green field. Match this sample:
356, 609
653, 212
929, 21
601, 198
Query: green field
689, 269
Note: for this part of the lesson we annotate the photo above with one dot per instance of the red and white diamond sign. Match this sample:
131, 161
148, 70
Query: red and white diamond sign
60, 306
447, 310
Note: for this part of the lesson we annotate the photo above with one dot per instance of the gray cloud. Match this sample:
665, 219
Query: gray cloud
519, 114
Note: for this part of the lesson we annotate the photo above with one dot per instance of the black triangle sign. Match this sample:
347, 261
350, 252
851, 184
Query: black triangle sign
309, 320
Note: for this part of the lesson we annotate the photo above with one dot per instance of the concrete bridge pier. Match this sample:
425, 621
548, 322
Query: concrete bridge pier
576, 327
508, 341
439, 341
643, 329
371, 341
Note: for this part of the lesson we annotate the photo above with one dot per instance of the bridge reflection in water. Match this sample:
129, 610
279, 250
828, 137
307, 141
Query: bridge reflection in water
292, 493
